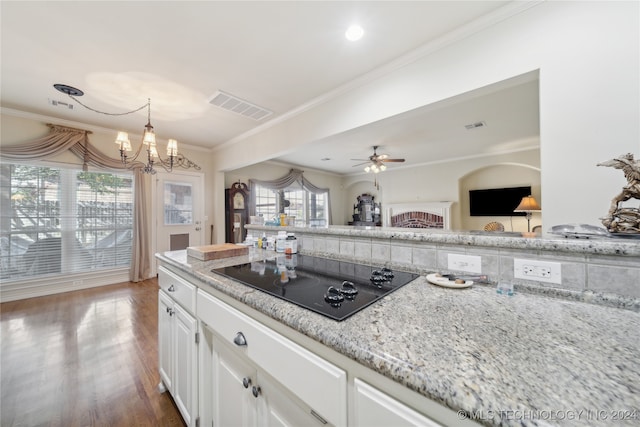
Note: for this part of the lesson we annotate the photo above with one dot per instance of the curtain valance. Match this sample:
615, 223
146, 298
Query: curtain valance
294, 176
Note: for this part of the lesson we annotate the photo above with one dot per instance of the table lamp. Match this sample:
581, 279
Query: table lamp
528, 205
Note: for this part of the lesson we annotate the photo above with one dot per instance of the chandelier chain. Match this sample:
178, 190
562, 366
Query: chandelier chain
148, 104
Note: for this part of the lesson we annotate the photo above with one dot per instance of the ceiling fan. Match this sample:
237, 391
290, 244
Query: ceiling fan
376, 162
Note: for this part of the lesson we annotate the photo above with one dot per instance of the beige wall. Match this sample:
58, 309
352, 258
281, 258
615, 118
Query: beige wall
446, 181
441, 182
499, 176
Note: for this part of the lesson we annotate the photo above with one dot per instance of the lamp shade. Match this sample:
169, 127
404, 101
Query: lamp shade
527, 204
123, 141
172, 147
153, 150
149, 137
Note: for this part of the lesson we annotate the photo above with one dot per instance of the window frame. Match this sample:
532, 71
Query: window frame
303, 204
70, 229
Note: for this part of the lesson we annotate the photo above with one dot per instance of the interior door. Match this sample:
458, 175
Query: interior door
179, 210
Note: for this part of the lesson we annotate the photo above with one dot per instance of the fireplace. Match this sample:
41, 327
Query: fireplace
419, 215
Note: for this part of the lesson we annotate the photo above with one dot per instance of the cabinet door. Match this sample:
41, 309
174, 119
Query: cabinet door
165, 338
185, 378
234, 404
374, 408
278, 408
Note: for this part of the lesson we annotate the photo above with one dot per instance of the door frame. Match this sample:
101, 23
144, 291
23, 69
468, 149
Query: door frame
156, 215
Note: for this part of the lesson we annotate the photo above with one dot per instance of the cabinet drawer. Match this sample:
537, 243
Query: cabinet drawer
318, 383
224, 320
183, 292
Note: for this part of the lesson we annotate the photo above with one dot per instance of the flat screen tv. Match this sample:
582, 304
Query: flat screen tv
497, 201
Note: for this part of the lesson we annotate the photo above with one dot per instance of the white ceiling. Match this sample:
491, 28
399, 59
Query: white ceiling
277, 55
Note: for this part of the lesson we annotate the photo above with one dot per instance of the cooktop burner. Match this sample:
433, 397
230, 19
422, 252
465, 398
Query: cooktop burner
336, 289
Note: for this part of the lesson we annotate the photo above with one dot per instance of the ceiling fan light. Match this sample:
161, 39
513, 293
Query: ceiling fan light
367, 169
383, 167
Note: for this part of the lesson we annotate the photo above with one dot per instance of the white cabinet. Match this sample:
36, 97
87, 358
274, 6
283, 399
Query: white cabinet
177, 342
240, 393
253, 376
374, 408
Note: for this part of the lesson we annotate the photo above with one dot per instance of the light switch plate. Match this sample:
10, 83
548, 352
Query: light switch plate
468, 263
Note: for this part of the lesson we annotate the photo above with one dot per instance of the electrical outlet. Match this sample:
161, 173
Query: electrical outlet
540, 271
468, 263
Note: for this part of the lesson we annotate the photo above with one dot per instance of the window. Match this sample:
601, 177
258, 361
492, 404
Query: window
178, 204
308, 208
60, 221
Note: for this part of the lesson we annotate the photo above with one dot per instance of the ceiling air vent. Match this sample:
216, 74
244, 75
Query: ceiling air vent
239, 106
475, 125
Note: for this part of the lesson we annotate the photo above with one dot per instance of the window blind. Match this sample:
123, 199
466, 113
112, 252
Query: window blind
61, 221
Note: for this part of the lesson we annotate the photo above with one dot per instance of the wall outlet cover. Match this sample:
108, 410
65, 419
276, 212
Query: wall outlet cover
539, 271
468, 263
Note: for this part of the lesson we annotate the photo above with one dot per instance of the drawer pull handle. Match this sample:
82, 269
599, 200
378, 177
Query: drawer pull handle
239, 339
246, 382
315, 414
256, 391
171, 289
171, 312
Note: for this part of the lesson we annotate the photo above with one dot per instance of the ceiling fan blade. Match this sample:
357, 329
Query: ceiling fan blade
360, 160
360, 164
392, 160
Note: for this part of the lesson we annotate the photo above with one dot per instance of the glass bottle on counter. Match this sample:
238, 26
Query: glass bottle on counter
291, 244
280, 241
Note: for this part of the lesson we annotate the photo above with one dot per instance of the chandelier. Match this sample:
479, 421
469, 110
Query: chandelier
148, 144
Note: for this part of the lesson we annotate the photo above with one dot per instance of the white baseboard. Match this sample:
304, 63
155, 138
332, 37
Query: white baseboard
54, 285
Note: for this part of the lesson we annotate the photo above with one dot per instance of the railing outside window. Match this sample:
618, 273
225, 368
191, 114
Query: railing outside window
60, 221
308, 208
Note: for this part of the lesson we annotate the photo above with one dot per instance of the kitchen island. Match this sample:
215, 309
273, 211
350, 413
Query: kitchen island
499, 360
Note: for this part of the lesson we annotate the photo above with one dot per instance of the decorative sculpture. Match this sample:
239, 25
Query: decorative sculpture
620, 219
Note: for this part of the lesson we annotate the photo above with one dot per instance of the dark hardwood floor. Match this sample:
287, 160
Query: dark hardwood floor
84, 358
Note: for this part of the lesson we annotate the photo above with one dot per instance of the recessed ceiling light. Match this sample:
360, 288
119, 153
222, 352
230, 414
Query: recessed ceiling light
354, 33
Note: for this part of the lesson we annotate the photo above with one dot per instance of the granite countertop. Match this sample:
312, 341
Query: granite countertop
519, 360
619, 246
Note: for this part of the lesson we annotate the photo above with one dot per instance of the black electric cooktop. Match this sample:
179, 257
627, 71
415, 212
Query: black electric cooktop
336, 289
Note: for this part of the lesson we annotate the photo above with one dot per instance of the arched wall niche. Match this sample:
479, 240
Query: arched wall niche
351, 193
501, 175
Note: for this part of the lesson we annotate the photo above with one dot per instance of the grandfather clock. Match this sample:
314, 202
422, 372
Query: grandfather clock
237, 212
